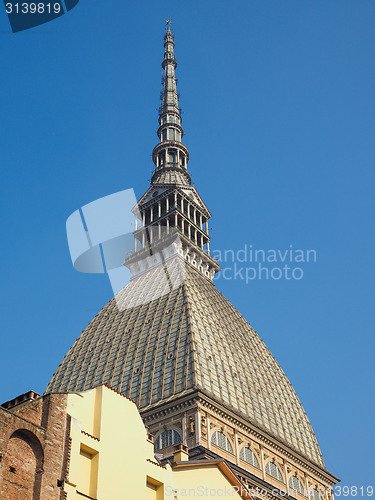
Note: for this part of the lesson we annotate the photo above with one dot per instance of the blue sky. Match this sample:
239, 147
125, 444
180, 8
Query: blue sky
278, 100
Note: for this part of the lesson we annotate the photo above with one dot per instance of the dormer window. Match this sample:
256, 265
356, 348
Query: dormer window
220, 440
315, 495
273, 471
166, 439
296, 485
249, 456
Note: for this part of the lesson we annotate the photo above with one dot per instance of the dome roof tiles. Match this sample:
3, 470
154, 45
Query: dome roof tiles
163, 336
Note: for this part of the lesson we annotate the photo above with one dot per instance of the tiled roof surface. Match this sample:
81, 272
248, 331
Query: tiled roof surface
170, 176
153, 343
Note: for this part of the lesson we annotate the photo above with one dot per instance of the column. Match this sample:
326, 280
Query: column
151, 214
307, 488
198, 427
159, 209
195, 216
184, 430
207, 226
263, 463
167, 225
167, 204
236, 445
208, 247
208, 432
135, 229
286, 477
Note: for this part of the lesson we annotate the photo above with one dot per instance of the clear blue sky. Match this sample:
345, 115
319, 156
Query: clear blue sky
278, 100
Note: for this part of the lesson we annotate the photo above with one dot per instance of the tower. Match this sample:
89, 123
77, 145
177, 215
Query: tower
171, 341
172, 205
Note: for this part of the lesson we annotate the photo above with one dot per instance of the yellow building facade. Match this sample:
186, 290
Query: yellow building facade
112, 456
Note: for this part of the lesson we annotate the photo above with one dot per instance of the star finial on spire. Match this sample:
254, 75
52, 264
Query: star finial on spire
169, 22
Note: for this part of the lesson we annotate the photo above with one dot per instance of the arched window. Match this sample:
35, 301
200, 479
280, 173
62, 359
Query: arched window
296, 485
273, 471
221, 441
21, 465
167, 438
315, 495
249, 456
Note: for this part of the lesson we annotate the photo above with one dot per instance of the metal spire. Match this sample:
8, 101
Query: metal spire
170, 153
171, 212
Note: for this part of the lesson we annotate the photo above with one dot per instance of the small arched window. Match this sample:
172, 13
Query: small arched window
167, 438
296, 485
220, 440
273, 471
315, 495
249, 456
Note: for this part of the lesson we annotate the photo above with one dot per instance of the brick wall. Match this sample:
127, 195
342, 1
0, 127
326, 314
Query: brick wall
34, 442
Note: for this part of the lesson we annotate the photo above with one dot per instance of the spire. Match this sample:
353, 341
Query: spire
171, 213
169, 64
170, 155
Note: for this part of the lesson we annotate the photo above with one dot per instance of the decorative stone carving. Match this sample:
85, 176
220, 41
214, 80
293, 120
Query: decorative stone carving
191, 426
203, 427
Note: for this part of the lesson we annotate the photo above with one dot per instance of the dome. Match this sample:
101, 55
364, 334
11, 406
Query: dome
160, 338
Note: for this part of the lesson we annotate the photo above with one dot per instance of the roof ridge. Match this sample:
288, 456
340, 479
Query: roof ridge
191, 334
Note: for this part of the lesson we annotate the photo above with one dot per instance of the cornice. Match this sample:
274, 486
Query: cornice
199, 399
265, 438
